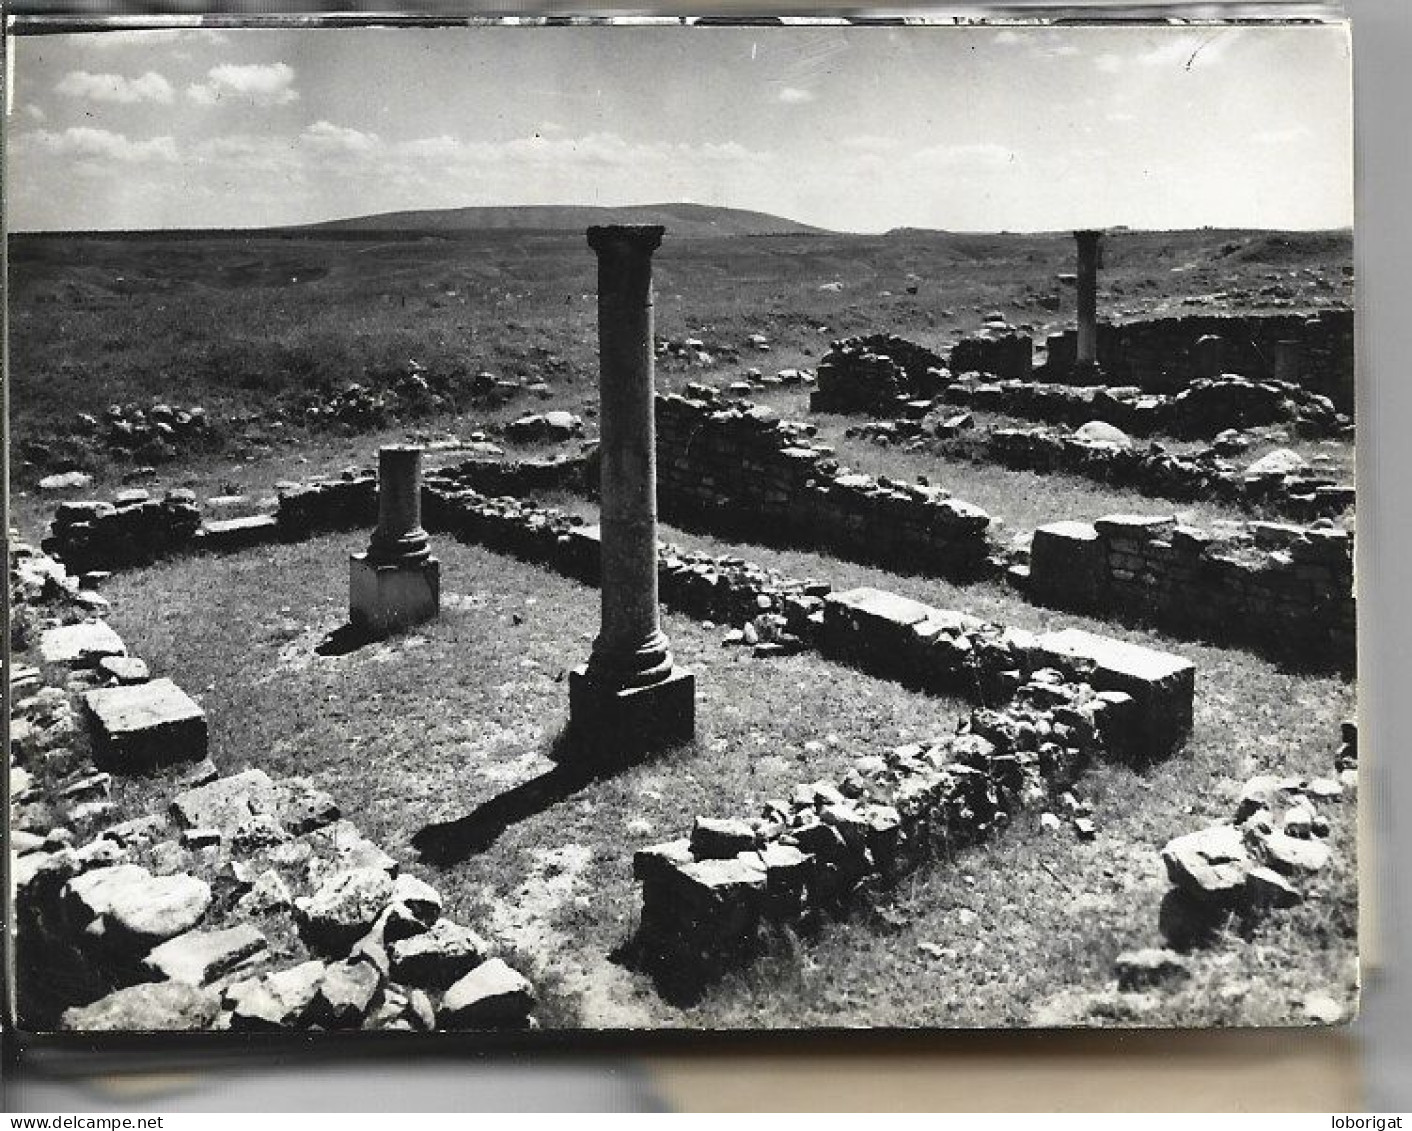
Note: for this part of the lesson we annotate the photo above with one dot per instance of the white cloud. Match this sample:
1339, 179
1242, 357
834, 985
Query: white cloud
794, 96
973, 155
34, 113
265, 84
149, 87
339, 139
101, 148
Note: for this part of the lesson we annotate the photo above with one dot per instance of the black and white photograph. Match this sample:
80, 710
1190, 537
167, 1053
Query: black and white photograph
662, 524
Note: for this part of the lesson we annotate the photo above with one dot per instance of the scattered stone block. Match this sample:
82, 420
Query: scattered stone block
282, 1000
145, 726
720, 839
200, 957
226, 803
1142, 969
1293, 856
149, 1007
492, 996
343, 909
130, 909
438, 957
269, 893
80, 645
125, 669
1266, 889
347, 994
1210, 865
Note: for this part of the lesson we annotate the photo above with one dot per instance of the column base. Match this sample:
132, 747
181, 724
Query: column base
610, 725
383, 599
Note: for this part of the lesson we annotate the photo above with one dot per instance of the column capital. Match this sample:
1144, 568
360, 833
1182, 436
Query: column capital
642, 238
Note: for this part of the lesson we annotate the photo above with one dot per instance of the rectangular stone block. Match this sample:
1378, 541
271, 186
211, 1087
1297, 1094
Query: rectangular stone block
240, 533
80, 645
1162, 685
384, 599
1136, 527
872, 627
144, 726
1068, 566
610, 726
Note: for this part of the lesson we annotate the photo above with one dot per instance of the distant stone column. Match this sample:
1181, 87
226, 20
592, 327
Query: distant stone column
1289, 360
396, 583
1088, 242
630, 697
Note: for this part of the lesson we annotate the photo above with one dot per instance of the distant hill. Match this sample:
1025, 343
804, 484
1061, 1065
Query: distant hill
679, 219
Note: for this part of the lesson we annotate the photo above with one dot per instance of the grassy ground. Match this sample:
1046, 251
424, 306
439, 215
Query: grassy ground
435, 725
243, 325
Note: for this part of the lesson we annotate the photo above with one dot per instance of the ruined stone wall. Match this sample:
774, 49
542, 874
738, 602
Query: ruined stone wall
871, 373
735, 467
716, 899
1159, 354
1300, 495
1203, 408
1280, 589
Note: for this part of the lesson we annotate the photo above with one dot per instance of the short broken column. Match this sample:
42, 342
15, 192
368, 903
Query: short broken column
630, 698
1088, 246
396, 583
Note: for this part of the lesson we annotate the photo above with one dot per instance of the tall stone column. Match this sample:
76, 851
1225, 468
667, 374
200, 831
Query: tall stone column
630, 697
1088, 241
396, 583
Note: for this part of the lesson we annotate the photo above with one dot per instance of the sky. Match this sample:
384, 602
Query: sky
854, 129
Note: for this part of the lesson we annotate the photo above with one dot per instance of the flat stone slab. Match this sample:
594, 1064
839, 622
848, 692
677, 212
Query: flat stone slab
239, 533
866, 603
226, 803
149, 1007
80, 645
134, 909
491, 996
125, 669
1162, 685
200, 957
1136, 527
145, 725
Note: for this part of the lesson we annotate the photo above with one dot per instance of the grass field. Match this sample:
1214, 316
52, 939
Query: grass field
459, 718
244, 326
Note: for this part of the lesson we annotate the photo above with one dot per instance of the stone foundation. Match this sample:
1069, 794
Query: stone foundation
1200, 409
736, 468
720, 897
1280, 589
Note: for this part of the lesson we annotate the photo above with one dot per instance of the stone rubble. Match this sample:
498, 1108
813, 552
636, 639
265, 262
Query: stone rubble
247, 903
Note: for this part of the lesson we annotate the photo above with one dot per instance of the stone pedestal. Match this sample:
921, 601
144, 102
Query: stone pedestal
397, 583
1088, 252
630, 698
